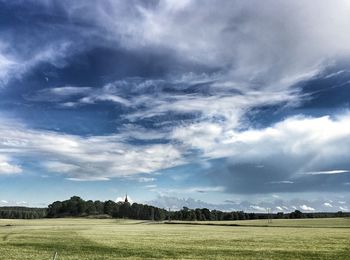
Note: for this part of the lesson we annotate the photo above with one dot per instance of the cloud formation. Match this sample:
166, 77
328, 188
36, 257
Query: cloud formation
248, 38
275, 205
205, 66
7, 167
281, 157
247, 41
277, 158
82, 158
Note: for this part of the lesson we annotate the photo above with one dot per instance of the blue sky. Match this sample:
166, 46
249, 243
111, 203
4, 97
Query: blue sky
236, 105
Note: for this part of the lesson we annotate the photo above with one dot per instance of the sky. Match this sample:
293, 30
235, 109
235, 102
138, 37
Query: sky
233, 105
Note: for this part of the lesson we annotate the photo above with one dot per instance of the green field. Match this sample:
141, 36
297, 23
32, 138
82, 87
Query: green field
111, 239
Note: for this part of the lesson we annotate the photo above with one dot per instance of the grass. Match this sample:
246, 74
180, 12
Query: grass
306, 223
112, 239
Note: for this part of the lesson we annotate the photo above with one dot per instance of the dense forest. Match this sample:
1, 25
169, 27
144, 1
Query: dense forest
77, 207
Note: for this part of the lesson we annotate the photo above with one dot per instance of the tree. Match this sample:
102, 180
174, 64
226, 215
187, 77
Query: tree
206, 213
296, 214
108, 207
99, 206
91, 208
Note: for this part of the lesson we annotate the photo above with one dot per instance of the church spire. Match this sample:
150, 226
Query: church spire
126, 198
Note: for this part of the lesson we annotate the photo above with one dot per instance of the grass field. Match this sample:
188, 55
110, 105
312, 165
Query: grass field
111, 239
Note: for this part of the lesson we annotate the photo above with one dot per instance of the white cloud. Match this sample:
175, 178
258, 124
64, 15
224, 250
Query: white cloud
58, 94
21, 203
83, 95
228, 106
6, 167
288, 149
328, 172
89, 178
122, 199
67, 90
3, 201
312, 143
207, 189
306, 208
258, 208
282, 182
13, 65
248, 206
257, 34
7, 65
327, 204
146, 179
189, 190
175, 203
82, 158
54, 166
344, 208
152, 186
247, 41
297, 137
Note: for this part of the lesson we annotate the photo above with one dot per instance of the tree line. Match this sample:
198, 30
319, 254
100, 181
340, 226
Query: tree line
22, 213
77, 207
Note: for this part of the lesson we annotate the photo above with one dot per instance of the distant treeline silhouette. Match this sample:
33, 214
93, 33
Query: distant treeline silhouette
77, 207
22, 212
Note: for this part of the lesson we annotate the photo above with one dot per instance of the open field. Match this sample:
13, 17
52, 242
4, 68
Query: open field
307, 223
111, 239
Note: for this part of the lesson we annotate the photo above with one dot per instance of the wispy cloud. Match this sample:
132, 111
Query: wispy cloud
306, 208
238, 63
188, 190
58, 94
256, 34
276, 205
327, 204
343, 208
287, 150
79, 158
14, 65
7, 167
146, 179
282, 182
246, 41
7, 67
296, 141
328, 172
258, 208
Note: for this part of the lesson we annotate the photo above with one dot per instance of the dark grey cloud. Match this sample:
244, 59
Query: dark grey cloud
278, 177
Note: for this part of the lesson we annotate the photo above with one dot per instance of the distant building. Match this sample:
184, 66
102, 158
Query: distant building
126, 198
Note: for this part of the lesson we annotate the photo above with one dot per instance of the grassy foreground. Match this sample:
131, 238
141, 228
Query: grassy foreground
111, 239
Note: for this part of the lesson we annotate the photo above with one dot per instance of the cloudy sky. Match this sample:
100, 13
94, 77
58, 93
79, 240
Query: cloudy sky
223, 104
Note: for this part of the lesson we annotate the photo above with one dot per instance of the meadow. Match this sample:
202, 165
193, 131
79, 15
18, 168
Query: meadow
113, 238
